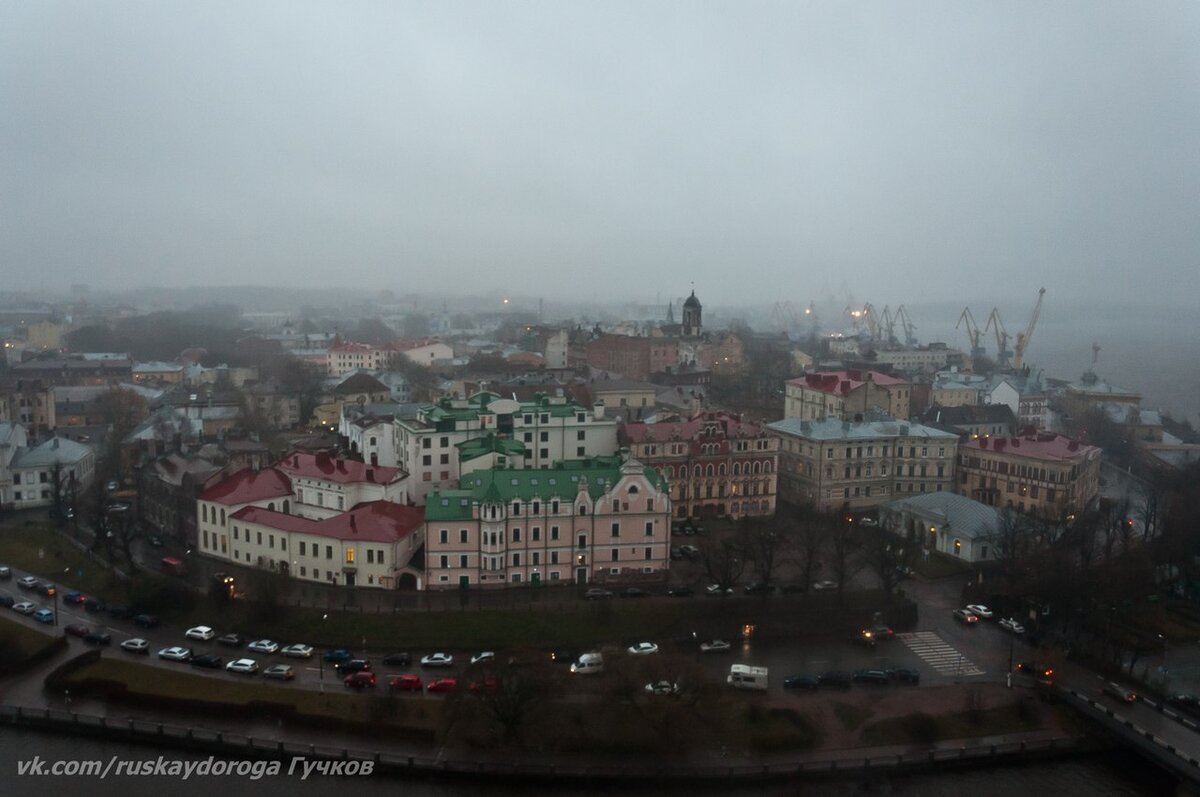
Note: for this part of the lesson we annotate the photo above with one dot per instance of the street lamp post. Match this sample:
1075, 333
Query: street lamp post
321, 660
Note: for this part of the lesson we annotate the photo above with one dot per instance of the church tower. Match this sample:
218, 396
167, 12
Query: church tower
691, 316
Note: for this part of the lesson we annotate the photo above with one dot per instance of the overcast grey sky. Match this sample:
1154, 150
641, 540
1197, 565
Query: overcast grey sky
606, 150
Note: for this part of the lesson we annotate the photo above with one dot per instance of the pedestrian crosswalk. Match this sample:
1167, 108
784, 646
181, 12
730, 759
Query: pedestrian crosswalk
934, 651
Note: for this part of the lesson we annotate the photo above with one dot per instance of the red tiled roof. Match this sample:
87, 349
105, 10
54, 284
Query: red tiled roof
249, 485
842, 382
1048, 446
323, 465
686, 430
408, 345
351, 347
374, 521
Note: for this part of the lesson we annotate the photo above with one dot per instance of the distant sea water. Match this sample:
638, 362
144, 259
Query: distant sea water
1109, 774
1154, 350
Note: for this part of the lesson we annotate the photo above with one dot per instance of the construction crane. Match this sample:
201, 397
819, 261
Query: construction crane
974, 333
1003, 353
872, 320
910, 338
1023, 338
888, 321
783, 316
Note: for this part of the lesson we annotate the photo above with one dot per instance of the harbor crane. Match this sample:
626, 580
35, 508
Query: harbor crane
1023, 338
1003, 353
974, 333
910, 337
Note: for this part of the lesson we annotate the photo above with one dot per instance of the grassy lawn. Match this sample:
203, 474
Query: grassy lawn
778, 729
923, 728
851, 716
937, 566
22, 640
43, 552
148, 682
507, 629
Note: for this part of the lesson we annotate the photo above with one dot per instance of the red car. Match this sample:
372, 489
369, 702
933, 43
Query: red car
443, 685
406, 683
489, 684
360, 680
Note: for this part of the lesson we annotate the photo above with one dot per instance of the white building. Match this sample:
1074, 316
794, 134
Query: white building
33, 471
946, 523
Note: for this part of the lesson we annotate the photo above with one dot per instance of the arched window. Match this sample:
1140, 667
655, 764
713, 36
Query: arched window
633, 490
204, 512
708, 470
696, 471
222, 517
767, 466
757, 467
286, 507
583, 509
737, 469
721, 469
271, 506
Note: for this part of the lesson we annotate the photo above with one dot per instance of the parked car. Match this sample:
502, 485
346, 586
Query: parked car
77, 629
437, 660
47, 590
338, 654
146, 620
980, 611
280, 672
406, 683
398, 660
801, 682
298, 651
243, 666
442, 685
5, 573
965, 616
1042, 672
868, 521
486, 655
24, 607
662, 688
74, 598
489, 684
904, 674
352, 666
634, 592
230, 641
642, 649
120, 612
875, 677
363, 679
136, 645
676, 554
681, 591
101, 638
715, 646
1114, 689
564, 656
596, 594
7, 601
175, 653
200, 632
715, 591
824, 586
1011, 625
759, 588
834, 680
44, 616
208, 661
93, 605
28, 582
263, 646
690, 551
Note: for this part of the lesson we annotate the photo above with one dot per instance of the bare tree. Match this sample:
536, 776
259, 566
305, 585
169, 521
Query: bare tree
841, 548
809, 538
724, 560
1013, 541
887, 555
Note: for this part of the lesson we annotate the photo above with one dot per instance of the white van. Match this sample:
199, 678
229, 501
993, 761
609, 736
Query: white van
588, 664
742, 676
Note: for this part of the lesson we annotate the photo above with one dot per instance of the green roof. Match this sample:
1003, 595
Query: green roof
502, 485
477, 404
489, 444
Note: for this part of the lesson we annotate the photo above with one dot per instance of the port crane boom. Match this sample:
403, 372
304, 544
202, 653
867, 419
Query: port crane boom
1023, 338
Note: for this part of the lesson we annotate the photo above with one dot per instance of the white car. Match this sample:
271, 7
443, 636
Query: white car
280, 672
715, 590
715, 646
979, 610
263, 646
245, 666
175, 654
1011, 624
662, 688
824, 586
136, 645
28, 582
437, 660
25, 607
201, 632
298, 651
642, 649
486, 655
868, 521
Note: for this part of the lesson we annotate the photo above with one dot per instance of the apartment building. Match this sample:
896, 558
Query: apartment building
551, 428
846, 395
858, 465
1041, 473
715, 462
594, 520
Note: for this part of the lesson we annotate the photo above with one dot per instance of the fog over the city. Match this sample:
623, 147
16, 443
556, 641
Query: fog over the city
606, 151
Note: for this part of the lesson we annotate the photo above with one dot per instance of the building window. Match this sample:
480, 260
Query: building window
462, 561
537, 533
615, 554
516, 535
649, 528
649, 553
444, 536
616, 529
554, 533
516, 560
329, 552
445, 562
350, 556
464, 535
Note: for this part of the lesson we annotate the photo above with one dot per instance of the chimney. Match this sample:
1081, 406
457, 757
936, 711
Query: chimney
598, 410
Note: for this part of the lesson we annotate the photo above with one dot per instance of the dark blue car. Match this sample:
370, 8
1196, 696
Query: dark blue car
338, 655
